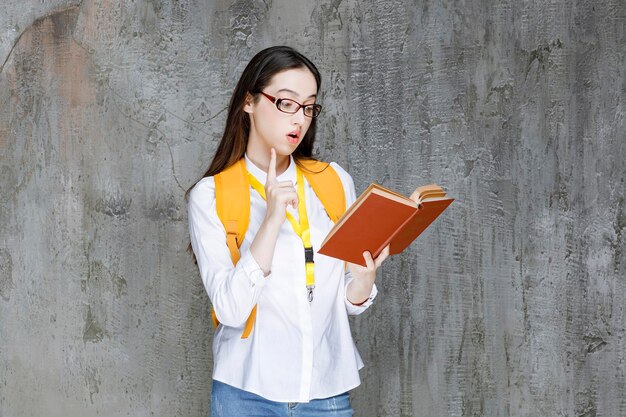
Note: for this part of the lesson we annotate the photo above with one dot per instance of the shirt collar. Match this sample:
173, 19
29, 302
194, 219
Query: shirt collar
259, 174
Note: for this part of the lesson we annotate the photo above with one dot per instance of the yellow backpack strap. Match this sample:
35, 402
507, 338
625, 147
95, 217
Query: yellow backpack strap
327, 186
232, 199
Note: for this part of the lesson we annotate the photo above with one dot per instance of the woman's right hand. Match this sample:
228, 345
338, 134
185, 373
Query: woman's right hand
279, 195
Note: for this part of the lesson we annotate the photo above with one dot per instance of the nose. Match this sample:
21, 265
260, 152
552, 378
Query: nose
298, 117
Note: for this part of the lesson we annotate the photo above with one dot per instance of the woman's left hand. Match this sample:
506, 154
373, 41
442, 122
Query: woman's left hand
364, 276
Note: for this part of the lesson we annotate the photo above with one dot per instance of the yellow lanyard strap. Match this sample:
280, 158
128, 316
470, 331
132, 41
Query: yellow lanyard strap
302, 228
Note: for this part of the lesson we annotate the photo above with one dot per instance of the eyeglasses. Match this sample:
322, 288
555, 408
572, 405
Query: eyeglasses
287, 105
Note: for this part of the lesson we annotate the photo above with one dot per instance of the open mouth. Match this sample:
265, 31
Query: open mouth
293, 137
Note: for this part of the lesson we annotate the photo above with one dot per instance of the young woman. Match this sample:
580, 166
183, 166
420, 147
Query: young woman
299, 358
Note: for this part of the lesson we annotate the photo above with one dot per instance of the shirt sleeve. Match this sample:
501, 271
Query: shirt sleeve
348, 186
233, 290
354, 309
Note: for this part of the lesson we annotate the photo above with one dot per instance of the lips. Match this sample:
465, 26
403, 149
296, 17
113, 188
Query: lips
293, 136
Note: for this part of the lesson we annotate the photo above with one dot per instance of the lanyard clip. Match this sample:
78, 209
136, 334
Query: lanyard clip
308, 255
308, 259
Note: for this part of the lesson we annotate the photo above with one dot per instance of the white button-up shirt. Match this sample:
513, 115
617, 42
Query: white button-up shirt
297, 351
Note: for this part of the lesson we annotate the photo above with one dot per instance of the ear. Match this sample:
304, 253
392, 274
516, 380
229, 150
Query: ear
249, 102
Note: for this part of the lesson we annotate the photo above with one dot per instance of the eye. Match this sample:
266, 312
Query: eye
287, 105
312, 110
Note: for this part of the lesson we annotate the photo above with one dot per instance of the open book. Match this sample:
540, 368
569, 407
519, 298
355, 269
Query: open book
380, 217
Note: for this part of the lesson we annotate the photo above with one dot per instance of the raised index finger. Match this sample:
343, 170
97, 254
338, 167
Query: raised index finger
271, 170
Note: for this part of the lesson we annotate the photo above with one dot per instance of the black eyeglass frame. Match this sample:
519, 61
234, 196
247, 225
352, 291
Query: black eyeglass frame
316, 109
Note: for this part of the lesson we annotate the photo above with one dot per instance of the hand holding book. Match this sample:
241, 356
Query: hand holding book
363, 277
381, 217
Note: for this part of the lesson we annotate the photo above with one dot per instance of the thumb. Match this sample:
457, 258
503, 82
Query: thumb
383, 255
369, 261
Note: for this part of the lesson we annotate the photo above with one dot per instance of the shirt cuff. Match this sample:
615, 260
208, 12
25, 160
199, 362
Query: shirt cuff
358, 309
253, 271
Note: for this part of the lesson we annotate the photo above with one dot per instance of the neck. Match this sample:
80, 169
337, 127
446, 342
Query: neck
263, 162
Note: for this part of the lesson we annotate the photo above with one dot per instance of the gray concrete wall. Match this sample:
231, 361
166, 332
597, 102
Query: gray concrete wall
512, 304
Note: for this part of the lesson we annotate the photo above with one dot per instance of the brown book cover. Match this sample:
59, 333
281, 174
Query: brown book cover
380, 217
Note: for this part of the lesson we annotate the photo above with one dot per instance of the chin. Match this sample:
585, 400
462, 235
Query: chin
286, 149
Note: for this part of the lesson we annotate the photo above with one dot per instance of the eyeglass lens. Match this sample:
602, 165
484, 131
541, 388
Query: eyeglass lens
289, 106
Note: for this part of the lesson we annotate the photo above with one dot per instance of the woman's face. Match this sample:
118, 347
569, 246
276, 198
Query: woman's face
271, 128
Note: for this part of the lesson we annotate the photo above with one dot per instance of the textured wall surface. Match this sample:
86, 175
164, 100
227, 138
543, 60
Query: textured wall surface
512, 304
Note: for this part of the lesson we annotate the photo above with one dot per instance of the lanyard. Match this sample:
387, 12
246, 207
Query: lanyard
302, 228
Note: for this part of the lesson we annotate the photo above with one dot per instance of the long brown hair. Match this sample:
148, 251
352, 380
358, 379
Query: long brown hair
255, 77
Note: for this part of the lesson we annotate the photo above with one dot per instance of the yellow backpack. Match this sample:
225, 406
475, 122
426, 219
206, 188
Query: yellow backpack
232, 195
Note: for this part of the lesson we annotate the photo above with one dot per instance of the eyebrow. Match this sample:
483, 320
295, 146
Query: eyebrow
294, 93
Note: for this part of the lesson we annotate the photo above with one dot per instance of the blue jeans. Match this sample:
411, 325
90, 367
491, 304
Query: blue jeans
228, 401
